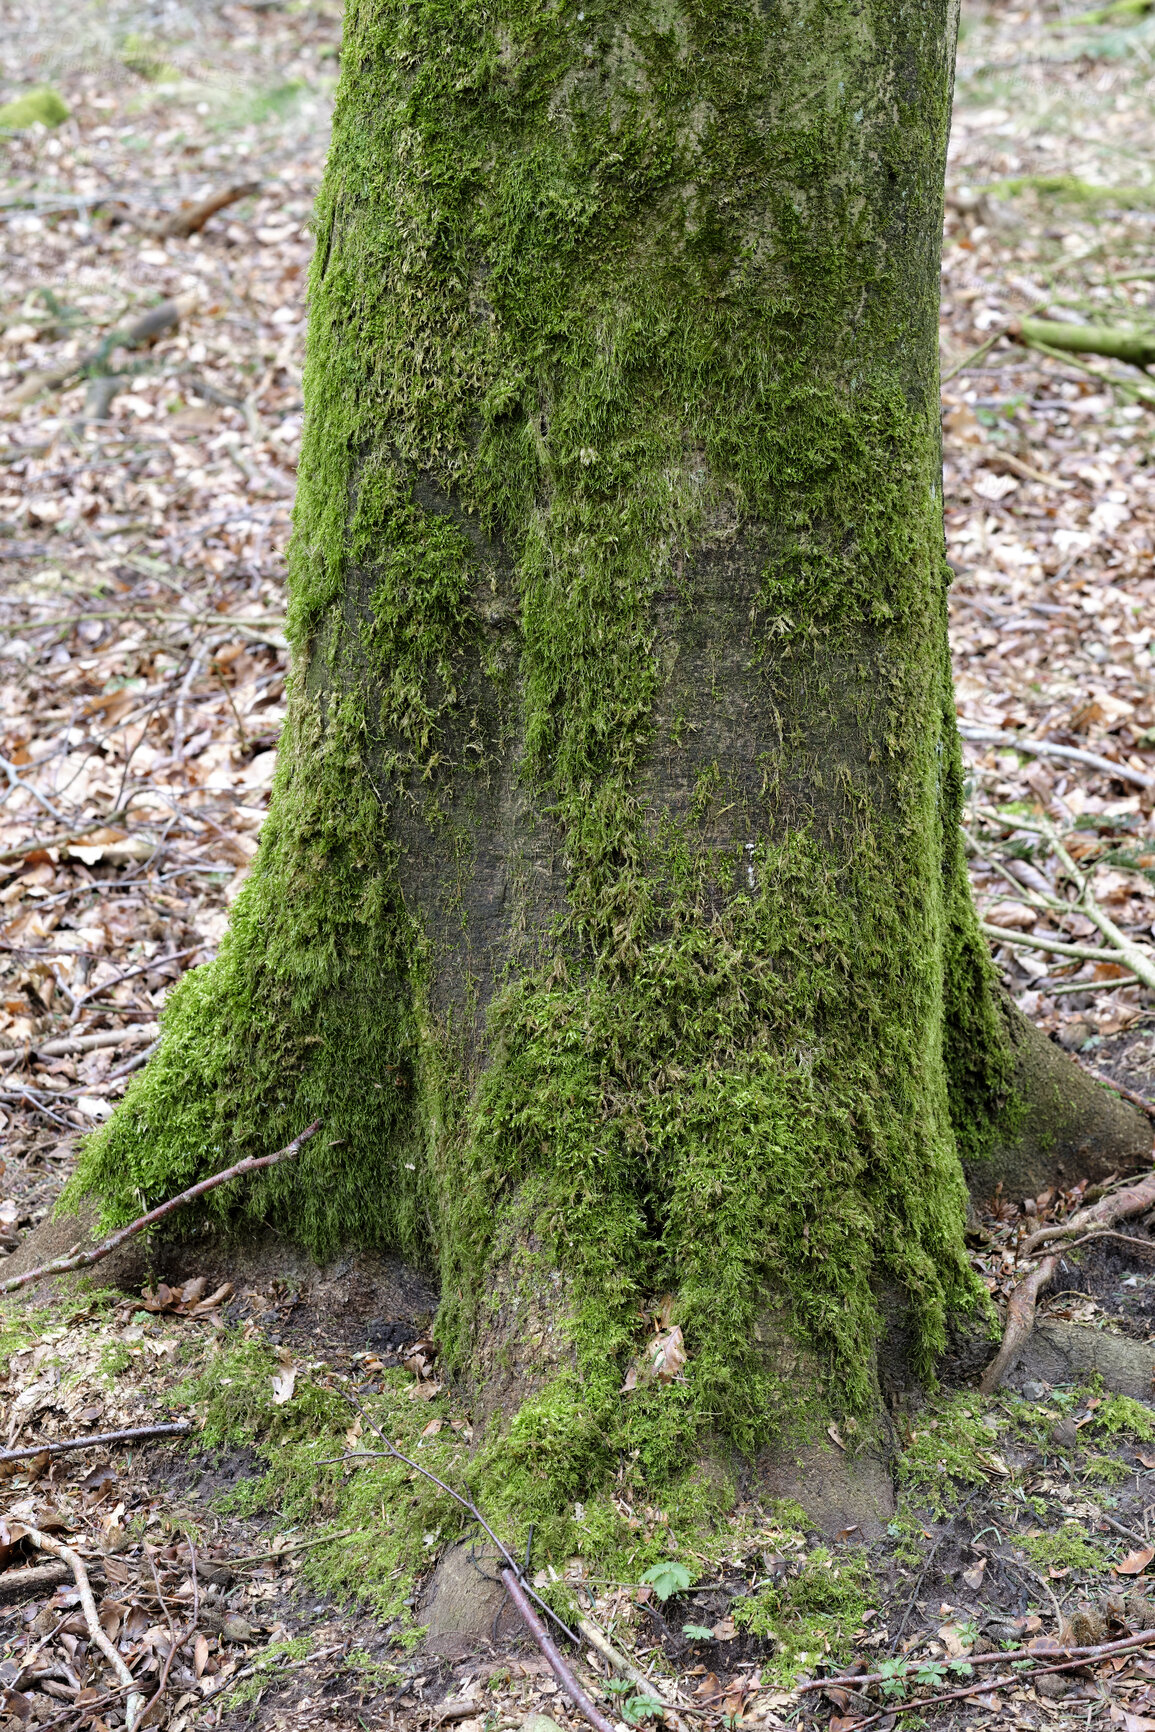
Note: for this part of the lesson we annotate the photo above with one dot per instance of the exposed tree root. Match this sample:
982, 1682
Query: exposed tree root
1117, 1206
1090, 1223
96, 1632
1020, 1322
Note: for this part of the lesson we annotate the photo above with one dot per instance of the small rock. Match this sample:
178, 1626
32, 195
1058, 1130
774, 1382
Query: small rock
1054, 1685
1065, 1433
237, 1629
1035, 1391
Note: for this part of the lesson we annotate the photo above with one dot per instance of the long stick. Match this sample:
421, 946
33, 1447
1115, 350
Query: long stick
1072, 1656
647, 1686
96, 1633
557, 1665
85, 1259
466, 1503
177, 1428
1050, 749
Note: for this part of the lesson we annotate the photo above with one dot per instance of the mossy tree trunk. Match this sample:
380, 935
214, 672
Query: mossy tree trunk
611, 910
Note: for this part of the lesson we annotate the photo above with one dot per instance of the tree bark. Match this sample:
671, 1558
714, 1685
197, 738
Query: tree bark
610, 911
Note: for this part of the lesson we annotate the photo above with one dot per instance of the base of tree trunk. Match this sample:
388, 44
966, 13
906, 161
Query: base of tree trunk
1068, 1126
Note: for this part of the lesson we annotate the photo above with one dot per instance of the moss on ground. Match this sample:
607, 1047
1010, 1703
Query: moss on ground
813, 1614
600, 300
1066, 1548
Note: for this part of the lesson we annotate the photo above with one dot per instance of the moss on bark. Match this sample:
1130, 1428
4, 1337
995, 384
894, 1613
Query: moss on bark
610, 911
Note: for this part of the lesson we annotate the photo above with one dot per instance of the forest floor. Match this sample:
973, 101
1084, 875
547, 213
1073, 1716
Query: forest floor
145, 499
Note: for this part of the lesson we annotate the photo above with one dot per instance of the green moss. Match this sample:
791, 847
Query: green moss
34, 108
1120, 1416
1107, 1469
603, 306
263, 1670
948, 1449
813, 1614
1068, 1548
115, 1360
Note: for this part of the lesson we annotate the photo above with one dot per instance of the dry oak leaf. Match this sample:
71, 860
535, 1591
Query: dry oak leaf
1014, 916
1135, 1562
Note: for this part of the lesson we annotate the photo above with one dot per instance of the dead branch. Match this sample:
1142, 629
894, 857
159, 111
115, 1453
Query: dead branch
85, 1259
1117, 345
190, 219
1021, 1307
17, 1585
560, 1670
1069, 1656
143, 331
1119, 1206
96, 1634
466, 1503
76, 1043
1046, 749
647, 1686
1136, 1100
177, 1428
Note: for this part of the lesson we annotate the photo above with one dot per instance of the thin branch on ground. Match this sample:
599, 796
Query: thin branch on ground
177, 1428
516, 1591
466, 1503
96, 1633
77, 1259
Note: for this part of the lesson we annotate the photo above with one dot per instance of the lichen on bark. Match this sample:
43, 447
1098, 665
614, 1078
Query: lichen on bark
610, 910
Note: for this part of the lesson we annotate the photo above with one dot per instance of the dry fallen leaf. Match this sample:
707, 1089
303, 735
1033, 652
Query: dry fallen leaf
284, 1382
667, 1355
1135, 1562
974, 1576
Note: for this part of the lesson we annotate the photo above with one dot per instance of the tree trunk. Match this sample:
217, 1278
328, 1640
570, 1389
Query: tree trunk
611, 911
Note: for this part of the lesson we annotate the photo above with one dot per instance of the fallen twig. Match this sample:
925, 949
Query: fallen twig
85, 1259
1046, 749
96, 1633
1069, 1656
647, 1686
466, 1503
74, 1043
560, 1670
146, 329
280, 1551
1115, 344
1051, 946
1136, 1100
177, 1428
191, 218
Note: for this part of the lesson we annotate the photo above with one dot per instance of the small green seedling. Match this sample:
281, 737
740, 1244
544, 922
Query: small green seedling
892, 1674
667, 1578
641, 1708
698, 1632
